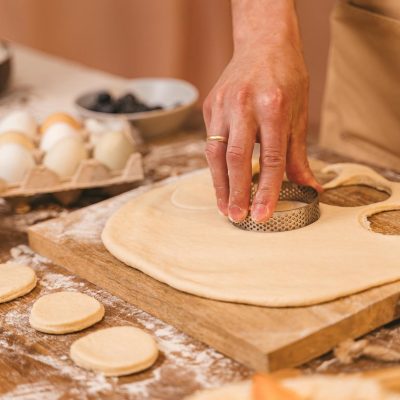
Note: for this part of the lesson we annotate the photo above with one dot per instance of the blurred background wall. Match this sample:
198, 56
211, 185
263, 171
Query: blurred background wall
188, 39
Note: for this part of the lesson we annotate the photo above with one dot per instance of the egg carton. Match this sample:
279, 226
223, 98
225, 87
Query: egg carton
90, 174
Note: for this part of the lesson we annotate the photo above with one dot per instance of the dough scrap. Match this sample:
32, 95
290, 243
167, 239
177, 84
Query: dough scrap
65, 312
116, 351
196, 250
314, 387
15, 281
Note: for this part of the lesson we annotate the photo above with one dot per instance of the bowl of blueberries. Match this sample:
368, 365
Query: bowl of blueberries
156, 106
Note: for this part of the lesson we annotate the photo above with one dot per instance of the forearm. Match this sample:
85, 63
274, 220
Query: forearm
263, 23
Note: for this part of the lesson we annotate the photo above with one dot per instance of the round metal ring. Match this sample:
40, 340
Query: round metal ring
289, 219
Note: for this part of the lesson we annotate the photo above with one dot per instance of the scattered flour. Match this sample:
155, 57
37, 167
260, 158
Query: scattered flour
43, 390
182, 360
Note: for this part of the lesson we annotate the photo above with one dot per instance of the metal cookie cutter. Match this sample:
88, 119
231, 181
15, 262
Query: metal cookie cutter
290, 219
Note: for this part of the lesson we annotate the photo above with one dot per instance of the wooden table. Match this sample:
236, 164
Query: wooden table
35, 365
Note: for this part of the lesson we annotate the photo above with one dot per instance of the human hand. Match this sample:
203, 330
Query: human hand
261, 96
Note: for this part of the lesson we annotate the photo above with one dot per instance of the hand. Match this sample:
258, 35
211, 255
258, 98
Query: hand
261, 96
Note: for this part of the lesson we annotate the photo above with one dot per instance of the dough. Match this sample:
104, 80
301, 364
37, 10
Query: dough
15, 281
235, 391
117, 351
65, 312
182, 241
200, 196
316, 387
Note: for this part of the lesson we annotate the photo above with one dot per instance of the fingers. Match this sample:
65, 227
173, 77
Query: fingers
216, 158
274, 130
297, 167
238, 156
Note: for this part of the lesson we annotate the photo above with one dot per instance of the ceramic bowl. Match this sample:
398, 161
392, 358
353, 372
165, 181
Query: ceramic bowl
177, 98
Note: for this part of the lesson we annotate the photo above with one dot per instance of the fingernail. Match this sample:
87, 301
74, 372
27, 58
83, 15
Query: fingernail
259, 213
237, 214
222, 208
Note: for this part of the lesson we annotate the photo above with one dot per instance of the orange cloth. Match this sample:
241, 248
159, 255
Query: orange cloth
361, 115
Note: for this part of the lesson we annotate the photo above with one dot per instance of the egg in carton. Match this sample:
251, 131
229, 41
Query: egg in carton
62, 157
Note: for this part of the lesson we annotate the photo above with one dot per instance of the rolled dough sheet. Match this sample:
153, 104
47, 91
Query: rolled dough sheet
175, 234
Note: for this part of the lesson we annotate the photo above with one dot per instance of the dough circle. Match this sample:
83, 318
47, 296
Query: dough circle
116, 351
65, 312
15, 281
170, 234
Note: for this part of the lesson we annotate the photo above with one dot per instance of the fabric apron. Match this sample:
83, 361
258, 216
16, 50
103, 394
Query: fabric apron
361, 112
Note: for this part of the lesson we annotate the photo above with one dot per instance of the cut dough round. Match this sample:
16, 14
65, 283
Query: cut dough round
65, 312
199, 196
116, 351
15, 281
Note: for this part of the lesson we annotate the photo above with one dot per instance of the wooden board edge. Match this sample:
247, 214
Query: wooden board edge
373, 316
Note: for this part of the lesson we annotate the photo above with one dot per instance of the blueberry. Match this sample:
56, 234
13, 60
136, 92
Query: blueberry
104, 98
130, 98
128, 104
106, 108
155, 108
142, 108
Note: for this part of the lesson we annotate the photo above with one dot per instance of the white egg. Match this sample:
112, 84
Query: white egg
65, 156
15, 162
98, 128
20, 121
113, 150
57, 132
18, 138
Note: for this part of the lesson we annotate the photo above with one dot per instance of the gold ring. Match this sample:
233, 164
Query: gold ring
222, 139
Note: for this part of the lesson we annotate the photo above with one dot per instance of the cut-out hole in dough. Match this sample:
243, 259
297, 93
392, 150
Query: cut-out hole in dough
386, 222
353, 196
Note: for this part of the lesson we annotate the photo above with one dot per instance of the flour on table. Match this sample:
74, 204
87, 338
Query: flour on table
183, 358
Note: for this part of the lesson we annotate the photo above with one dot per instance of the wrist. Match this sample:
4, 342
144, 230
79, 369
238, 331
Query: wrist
262, 23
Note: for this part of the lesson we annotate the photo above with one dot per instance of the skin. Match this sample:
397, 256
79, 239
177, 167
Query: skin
262, 96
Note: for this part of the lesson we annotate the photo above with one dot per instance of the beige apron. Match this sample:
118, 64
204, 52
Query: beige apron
361, 113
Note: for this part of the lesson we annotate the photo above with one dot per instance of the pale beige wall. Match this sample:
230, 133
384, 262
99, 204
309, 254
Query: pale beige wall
190, 39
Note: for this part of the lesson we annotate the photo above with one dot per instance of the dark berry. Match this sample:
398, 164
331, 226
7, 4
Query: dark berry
106, 108
129, 104
104, 98
156, 108
142, 108
131, 98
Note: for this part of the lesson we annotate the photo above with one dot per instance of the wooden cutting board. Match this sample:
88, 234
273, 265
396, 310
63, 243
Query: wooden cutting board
265, 339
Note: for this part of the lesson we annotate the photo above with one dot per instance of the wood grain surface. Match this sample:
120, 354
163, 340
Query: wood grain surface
35, 365
259, 337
